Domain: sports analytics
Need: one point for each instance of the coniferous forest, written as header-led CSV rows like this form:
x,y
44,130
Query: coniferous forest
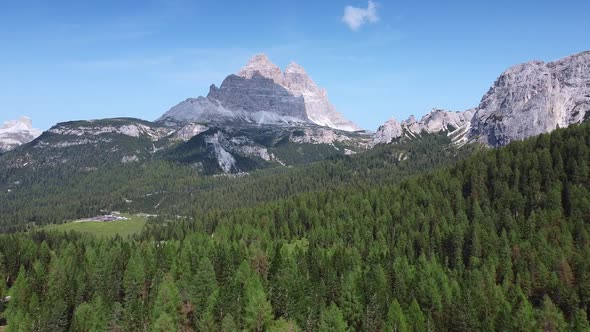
x,y
498,241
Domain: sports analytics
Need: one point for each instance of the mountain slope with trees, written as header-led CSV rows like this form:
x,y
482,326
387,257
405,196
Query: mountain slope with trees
x,y
172,187
500,241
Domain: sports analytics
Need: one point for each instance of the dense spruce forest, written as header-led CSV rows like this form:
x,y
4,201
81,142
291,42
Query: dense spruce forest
x,y
500,241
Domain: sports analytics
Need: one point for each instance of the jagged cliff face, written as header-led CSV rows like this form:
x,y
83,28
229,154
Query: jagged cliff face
x,y
258,94
387,132
455,124
261,93
17,132
534,98
295,79
249,100
526,100
319,109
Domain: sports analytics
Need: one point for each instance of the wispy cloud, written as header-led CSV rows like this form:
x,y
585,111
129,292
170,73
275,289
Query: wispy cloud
x,y
354,17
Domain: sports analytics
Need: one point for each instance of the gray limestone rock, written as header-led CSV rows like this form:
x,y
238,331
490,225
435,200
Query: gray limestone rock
x,y
526,100
261,93
387,132
455,124
534,98
258,94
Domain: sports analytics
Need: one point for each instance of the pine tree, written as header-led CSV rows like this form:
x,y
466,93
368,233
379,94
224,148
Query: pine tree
x,y
207,322
20,293
21,322
283,325
89,317
56,310
135,294
351,302
549,318
258,311
205,285
579,322
228,324
523,313
396,320
167,307
332,320
376,297
164,323
415,317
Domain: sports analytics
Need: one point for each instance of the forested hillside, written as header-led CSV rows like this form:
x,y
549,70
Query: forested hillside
x,y
500,241
171,188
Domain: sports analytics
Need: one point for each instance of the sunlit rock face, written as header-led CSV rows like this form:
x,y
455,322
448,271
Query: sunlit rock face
x,y
526,100
261,93
534,98
387,132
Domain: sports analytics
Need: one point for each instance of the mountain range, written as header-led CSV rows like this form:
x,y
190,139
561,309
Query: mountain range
x,y
263,117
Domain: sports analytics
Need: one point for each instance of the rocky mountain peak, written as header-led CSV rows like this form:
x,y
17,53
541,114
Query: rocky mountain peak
x,y
295,79
260,58
388,132
294,68
261,65
17,132
262,93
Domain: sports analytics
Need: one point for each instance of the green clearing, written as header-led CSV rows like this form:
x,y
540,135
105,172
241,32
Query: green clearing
x,y
124,228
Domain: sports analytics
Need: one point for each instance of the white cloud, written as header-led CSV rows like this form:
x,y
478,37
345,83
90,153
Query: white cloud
x,y
354,17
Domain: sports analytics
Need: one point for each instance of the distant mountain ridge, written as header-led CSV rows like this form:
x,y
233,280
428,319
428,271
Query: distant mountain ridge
x,y
262,94
456,124
17,132
526,100
208,148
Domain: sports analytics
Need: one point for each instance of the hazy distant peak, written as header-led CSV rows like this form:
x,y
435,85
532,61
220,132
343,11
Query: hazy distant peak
x,y
23,122
16,132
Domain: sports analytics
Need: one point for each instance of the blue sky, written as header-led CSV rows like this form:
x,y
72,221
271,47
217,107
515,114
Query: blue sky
x,y
65,60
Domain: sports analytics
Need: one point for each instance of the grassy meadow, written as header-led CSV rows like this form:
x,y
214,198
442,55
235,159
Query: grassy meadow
x,y
124,228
